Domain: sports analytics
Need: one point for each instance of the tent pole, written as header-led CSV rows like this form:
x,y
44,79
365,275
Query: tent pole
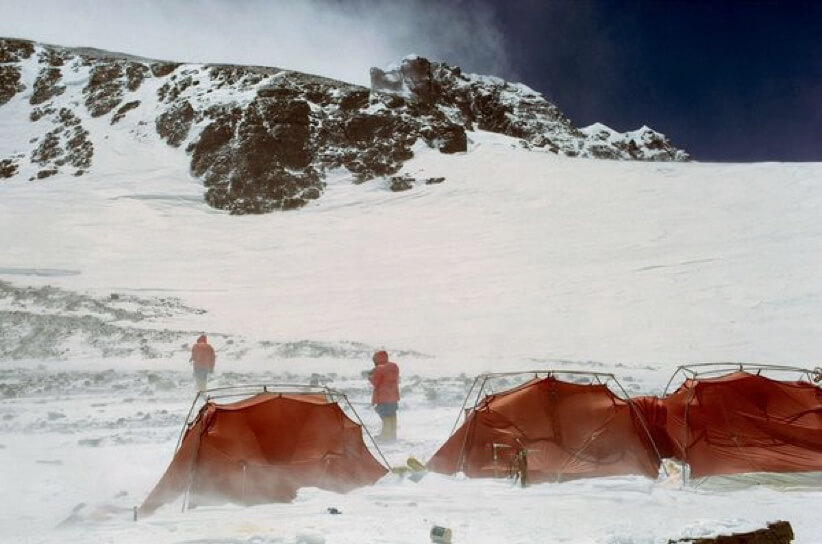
x,y
242,491
687,435
461,458
185,423
464,404
636,411
481,389
370,437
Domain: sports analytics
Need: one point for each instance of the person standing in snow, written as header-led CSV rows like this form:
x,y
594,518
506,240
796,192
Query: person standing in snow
x,y
385,379
202,360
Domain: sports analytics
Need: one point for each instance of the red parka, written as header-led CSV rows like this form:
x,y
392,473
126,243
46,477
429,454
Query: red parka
x,y
385,378
202,354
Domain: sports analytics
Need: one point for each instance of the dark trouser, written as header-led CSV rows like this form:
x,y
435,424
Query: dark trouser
x,y
201,378
388,413
386,409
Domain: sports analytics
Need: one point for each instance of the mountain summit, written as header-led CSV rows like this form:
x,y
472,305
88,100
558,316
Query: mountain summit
x,y
263,138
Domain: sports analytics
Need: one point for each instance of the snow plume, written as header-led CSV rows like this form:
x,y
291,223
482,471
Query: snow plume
x,y
336,38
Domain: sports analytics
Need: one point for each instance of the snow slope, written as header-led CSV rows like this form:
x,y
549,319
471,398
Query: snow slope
x,y
517,256
518,259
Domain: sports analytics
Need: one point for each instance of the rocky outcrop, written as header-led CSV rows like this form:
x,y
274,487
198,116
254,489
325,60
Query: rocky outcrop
x,y
8,168
12,52
262,139
65,145
46,86
9,82
173,124
257,159
641,144
779,532
123,110
492,104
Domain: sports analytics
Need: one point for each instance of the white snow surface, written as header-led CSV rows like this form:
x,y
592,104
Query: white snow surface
x,y
518,260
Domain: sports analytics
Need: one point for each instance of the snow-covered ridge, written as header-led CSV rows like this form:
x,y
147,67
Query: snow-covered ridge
x,y
514,109
262,138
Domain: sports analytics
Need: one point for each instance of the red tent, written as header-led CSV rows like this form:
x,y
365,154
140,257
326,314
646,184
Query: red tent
x,y
743,422
263,449
568,430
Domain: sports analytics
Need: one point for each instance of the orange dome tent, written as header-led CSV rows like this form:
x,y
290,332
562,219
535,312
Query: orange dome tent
x,y
565,430
722,421
266,447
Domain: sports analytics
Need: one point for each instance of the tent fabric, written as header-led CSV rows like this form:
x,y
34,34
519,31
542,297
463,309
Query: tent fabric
x,y
265,448
569,431
745,423
655,415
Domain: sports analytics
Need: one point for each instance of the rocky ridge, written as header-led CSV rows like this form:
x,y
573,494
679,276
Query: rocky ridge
x,y
264,139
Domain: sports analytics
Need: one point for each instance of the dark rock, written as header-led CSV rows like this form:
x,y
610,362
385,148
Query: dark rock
x,y
401,183
54,57
173,124
242,77
48,150
366,127
43,174
280,93
453,139
317,94
779,532
67,144
80,149
603,151
67,118
413,77
110,78
162,69
311,193
269,148
123,110
257,160
104,91
427,89
12,50
135,74
434,181
40,112
176,85
416,74
8,168
10,83
207,150
393,101
355,100
46,86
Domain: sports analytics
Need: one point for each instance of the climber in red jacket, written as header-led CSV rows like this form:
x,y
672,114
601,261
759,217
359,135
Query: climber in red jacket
x,y
385,378
202,359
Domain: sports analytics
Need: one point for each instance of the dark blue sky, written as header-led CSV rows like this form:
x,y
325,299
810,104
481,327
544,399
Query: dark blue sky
x,y
727,80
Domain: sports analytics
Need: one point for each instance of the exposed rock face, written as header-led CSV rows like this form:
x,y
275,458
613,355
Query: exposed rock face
x,y
8,168
263,139
46,86
65,145
779,532
257,160
495,105
12,52
123,110
173,124
9,82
